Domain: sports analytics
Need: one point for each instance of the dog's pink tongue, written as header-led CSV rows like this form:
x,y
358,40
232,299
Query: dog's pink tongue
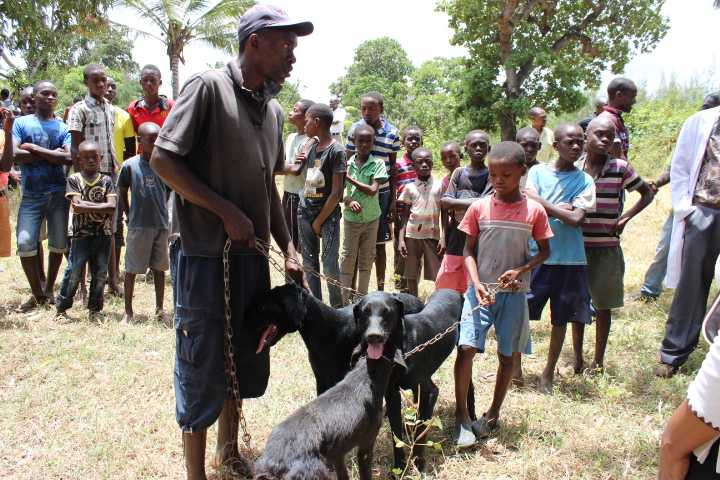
x,y
375,350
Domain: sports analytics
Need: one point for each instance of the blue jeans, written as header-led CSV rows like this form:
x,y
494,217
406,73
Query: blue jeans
x,y
96,251
330,251
34,207
652,286
175,251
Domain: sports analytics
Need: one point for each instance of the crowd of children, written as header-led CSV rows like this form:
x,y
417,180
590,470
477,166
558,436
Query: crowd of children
x,y
75,185
508,230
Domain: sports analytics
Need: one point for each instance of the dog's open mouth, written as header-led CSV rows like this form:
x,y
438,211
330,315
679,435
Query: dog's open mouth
x,y
375,350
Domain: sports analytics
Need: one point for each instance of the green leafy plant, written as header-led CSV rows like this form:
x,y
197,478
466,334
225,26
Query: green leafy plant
x,y
416,432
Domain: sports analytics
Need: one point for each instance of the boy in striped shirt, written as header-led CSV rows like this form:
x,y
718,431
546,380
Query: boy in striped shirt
x,y
603,226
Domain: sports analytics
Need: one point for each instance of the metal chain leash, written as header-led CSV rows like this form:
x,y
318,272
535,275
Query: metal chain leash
x,y
265,248
492,289
230,370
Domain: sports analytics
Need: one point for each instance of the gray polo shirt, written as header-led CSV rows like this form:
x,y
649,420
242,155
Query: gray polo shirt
x,y
232,140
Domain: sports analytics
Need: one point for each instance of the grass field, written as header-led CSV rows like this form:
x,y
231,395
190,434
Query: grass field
x,y
82,399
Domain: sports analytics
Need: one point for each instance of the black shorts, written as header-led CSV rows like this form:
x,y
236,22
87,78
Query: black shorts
x,y
566,286
200,380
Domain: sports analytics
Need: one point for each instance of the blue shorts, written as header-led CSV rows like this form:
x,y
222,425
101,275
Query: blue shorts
x,y
509,316
34,207
566,286
200,381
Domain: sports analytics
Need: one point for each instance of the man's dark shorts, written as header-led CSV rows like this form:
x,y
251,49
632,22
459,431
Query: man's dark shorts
x,y
566,286
200,382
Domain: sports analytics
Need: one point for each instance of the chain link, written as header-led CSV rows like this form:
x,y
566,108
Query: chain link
x,y
265,248
230,370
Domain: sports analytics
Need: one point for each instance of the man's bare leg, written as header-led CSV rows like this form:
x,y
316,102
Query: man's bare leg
x,y
30,267
227,453
578,336
159,281
194,450
54,261
380,264
557,338
602,332
129,291
40,258
517,377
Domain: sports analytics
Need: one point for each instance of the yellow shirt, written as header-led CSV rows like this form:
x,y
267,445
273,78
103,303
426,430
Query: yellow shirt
x,y
123,129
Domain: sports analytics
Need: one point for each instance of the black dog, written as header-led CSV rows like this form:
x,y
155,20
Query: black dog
x,y
443,308
349,415
330,334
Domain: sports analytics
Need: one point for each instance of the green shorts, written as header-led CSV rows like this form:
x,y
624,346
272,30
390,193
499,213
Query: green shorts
x,y
606,269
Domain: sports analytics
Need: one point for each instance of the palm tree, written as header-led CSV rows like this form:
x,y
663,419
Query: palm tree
x,y
183,21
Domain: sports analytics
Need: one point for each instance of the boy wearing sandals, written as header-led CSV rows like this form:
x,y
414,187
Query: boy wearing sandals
x,y
498,260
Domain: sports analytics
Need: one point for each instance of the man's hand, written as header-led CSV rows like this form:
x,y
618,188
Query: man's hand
x,y
619,226
483,296
441,247
238,226
354,206
653,186
293,269
7,119
402,247
317,228
509,280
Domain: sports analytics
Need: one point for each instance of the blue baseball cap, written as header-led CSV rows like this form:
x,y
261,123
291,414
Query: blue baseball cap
x,y
261,16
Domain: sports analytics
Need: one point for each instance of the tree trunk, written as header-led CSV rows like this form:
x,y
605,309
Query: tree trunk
x,y
175,69
508,128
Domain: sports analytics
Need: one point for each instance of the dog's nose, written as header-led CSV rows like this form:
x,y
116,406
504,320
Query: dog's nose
x,y
374,338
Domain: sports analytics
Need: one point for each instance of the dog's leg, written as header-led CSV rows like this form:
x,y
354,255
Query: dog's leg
x,y
365,456
394,414
428,397
341,471
471,401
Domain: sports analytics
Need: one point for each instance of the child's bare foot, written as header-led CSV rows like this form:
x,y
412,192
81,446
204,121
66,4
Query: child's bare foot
x,y
546,385
127,319
163,317
31,304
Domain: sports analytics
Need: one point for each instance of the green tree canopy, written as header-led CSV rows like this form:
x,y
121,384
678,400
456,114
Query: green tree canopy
x,y
378,65
547,53
45,32
181,22
434,101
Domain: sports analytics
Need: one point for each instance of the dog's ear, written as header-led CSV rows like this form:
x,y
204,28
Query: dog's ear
x,y
397,334
399,359
357,311
356,354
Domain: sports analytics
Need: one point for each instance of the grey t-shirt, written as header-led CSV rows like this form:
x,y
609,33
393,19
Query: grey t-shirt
x,y
232,140
148,194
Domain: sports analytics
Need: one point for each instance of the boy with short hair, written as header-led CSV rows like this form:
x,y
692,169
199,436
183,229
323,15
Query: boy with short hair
x,y
420,241
319,211
147,237
93,199
93,119
151,107
567,194
466,185
385,146
498,228
294,170
402,175
602,229
529,139
365,174
450,155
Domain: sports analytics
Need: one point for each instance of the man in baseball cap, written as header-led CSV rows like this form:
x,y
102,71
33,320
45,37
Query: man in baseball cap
x,y
218,150
260,17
